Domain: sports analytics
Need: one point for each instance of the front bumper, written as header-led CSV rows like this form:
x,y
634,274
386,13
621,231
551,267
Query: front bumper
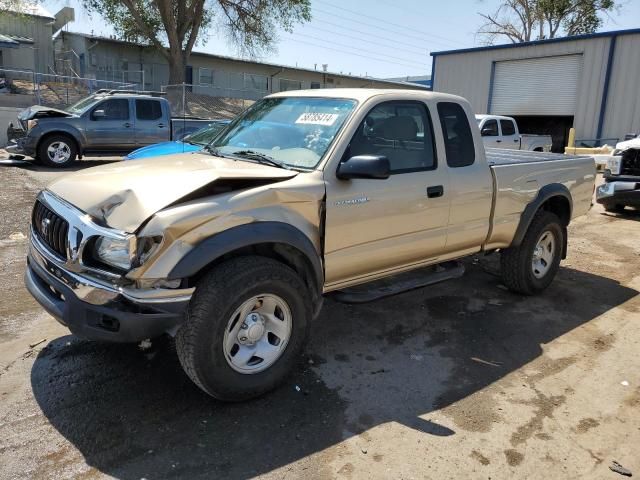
x,y
619,193
22,146
98,311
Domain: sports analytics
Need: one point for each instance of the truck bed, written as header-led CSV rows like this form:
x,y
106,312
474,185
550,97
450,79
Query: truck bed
x,y
518,177
499,156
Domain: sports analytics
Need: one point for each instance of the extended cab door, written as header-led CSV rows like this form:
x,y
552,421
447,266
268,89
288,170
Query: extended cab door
x,y
490,132
375,226
471,181
510,136
152,124
109,126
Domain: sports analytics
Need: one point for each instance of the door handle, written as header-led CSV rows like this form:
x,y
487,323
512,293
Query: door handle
x,y
516,140
498,141
161,125
127,125
435,191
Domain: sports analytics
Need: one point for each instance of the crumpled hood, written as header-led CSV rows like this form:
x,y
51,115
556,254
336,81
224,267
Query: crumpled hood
x,y
125,194
41,111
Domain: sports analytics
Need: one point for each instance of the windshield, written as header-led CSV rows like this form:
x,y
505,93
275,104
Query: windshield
x,y
82,105
294,131
205,135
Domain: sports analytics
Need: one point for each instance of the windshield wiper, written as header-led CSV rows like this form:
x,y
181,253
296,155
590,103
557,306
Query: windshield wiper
x,y
213,151
261,157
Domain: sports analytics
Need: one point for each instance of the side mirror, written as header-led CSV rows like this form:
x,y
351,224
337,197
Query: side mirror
x,y
486,132
364,166
98,114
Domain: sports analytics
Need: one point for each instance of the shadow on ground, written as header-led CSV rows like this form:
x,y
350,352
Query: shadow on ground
x,y
133,415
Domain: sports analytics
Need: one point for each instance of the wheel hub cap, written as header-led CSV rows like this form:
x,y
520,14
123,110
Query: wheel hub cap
x,y
251,330
257,333
543,254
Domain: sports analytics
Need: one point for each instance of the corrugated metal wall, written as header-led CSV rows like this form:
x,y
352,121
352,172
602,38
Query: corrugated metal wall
x,y
623,103
468,74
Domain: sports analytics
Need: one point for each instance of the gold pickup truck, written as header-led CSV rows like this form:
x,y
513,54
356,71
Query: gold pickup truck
x,y
353,193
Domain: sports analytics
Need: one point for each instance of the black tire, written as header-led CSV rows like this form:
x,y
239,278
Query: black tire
x,y
516,262
60,139
614,208
218,294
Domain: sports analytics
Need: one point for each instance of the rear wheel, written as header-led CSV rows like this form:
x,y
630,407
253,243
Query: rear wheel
x,y
246,325
532,266
57,151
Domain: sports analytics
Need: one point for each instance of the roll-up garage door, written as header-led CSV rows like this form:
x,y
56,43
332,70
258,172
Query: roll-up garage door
x,y
536,86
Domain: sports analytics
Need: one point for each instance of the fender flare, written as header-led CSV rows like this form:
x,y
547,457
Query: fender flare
x,y
247,235
547,192
70,132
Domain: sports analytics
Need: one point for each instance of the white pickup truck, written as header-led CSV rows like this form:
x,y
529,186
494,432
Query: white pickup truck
x,y
502,132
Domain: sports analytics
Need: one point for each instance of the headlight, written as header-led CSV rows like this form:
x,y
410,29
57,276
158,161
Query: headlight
x,y
613,165
31,124
116,252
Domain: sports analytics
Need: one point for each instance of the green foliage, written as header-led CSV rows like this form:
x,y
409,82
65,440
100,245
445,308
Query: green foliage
x,y
174,26
526,20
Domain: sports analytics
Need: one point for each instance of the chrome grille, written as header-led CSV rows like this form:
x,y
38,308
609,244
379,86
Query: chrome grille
x,y
51,228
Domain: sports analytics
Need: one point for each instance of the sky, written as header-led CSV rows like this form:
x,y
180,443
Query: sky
x,y
378,38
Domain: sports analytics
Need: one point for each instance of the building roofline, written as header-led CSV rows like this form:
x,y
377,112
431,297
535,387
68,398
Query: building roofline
x,y
254,62
586,36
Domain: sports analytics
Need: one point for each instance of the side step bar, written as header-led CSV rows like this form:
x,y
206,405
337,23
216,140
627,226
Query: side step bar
x,y
403,282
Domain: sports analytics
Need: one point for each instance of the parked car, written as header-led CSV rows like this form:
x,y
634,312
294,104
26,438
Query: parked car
x,y
502,132
191,143
106,123
306,194
622,178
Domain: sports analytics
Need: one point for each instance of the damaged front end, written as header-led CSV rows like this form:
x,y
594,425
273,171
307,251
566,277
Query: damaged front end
x,y
104,240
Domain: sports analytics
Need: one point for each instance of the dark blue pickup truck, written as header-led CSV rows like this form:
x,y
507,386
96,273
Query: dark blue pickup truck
x,y
109,122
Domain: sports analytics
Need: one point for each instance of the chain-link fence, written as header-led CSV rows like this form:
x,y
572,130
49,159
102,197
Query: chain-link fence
x,y
23,88
198,101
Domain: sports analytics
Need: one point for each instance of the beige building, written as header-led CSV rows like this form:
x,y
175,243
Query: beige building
x,y
26,37
589,82
115,60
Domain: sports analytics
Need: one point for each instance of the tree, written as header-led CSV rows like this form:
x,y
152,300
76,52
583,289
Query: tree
x,y
526,20
174,26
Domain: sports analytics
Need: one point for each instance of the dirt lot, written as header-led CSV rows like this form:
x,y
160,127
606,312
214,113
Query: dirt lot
x,y
459,380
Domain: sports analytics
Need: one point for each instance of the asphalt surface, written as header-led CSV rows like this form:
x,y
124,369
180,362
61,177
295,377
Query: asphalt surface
x,y
458,380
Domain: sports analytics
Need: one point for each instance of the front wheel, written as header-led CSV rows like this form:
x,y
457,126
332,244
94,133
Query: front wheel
x,y
57,151
531,267
246,326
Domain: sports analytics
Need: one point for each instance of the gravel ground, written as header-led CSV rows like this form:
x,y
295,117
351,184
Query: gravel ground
x,y
458,380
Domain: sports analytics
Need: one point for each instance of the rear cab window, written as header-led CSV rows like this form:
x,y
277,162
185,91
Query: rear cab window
x,y
508,128
458,139
148,109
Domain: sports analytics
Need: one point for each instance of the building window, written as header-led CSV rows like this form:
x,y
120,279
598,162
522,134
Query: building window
x,y
315,84
205,76
256,82
286,85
